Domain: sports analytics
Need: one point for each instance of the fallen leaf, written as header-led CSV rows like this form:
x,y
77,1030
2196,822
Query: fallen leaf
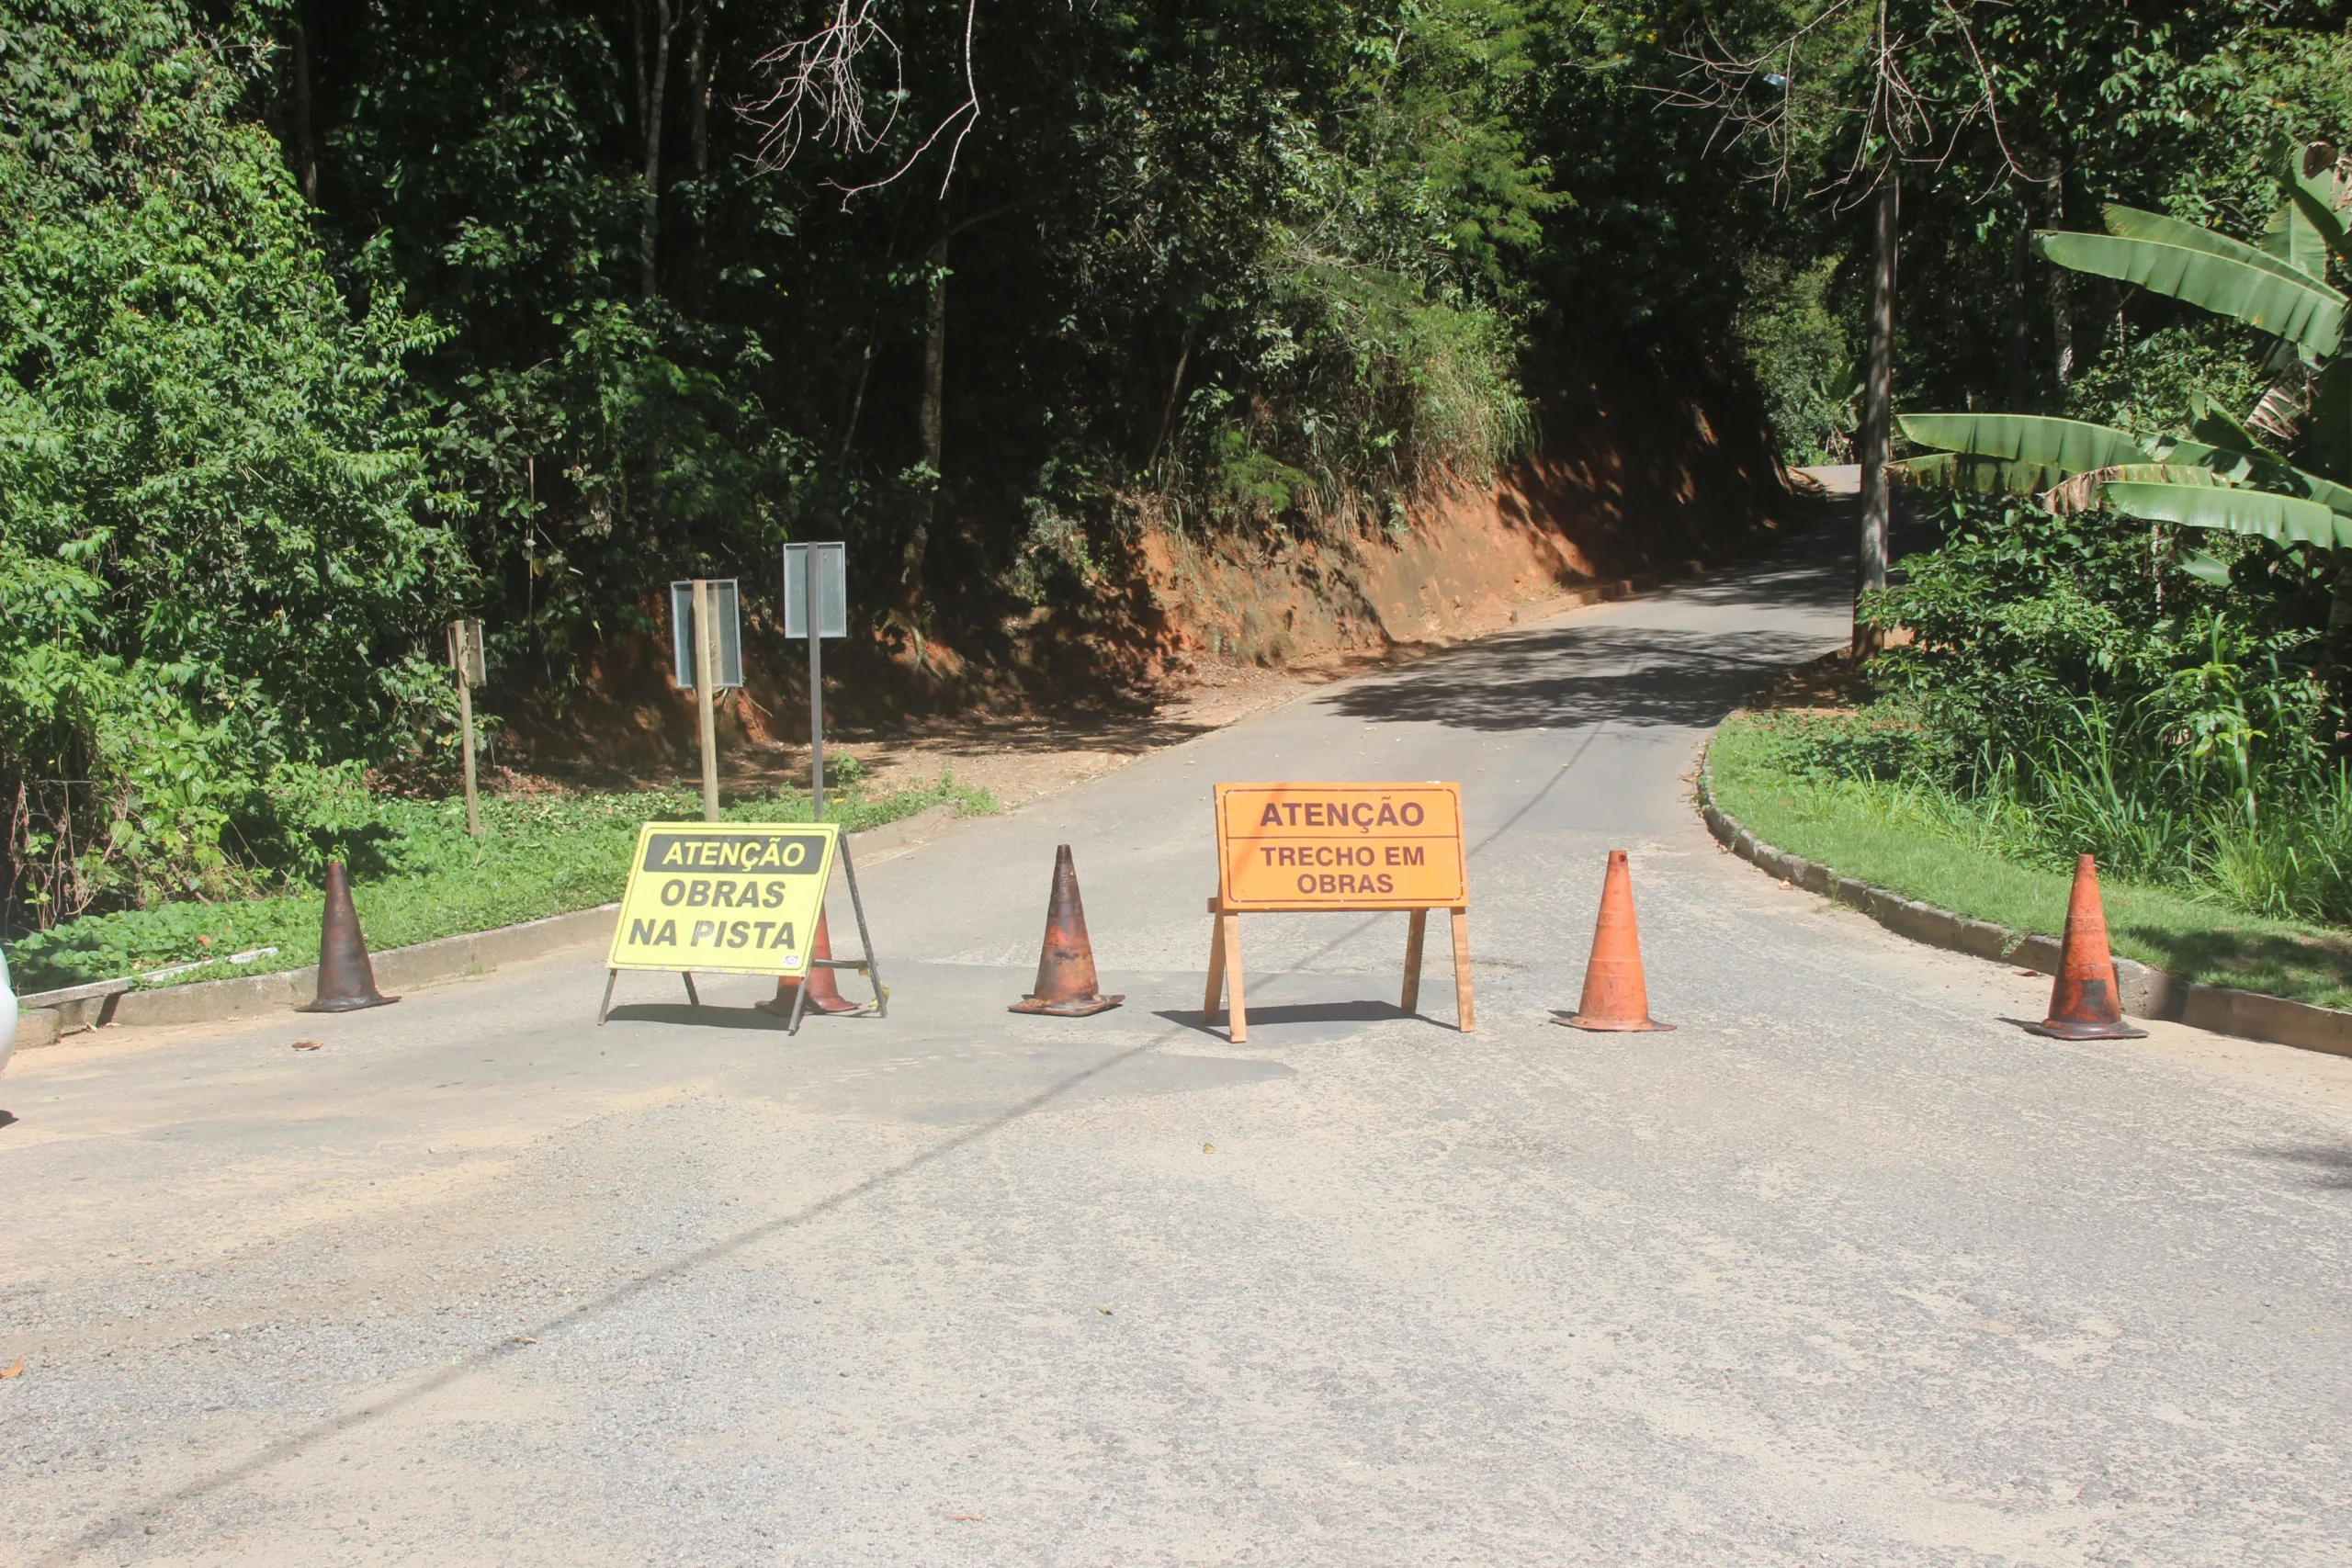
x,y
15,1369
520,1339
2029,974
306,1044
1209,1148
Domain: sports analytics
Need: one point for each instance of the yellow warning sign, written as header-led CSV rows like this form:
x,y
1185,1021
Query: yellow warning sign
x,y
725,897
1339,846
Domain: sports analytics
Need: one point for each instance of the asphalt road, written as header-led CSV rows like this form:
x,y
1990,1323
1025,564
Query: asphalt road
x,y
1845,1270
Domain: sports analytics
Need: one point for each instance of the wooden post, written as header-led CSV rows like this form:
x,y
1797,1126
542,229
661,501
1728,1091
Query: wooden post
x,y
706,674
1417,927
1217,968
1461,970
1238,1016
466,723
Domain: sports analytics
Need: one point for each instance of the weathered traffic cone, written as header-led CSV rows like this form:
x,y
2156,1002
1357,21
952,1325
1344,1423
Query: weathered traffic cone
x,y
1066,979
2085,1003
1616,997
346,980
823,995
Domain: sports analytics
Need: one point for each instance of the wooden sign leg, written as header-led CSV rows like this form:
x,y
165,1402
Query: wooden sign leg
x,y
1217,971
1239,1014
1417,927
1462,970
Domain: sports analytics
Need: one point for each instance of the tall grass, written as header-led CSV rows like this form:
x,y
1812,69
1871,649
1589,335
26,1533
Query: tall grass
x,y
2273,840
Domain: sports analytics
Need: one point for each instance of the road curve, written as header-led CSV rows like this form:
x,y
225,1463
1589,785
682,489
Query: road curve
x,y
1844,1270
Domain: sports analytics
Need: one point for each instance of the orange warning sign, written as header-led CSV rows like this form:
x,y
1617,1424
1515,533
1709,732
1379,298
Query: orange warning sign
x,y
1339,846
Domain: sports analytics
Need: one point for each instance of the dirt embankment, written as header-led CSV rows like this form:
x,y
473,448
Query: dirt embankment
x,y
1632,479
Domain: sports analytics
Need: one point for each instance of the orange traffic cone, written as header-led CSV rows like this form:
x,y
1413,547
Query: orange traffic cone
x,y
2085,1003
823,995
1066,978
1615,994
346,979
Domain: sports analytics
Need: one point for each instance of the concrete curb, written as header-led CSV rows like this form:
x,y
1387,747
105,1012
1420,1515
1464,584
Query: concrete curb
x,y
2146,992
397,968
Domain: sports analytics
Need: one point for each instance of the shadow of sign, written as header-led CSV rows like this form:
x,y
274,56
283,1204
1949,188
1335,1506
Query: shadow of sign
x,y
704,1017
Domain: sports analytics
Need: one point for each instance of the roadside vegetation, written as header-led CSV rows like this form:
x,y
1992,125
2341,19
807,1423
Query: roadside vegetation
x,y
1845,790
418,876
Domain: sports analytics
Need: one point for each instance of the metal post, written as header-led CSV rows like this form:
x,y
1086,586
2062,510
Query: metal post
x,y
706,674
816,694
864,940
466,724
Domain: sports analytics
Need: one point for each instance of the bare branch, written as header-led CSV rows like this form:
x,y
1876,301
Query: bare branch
x,y
819,94
819,91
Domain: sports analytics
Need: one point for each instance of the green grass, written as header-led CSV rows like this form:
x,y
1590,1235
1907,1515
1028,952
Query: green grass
x,y
422,877
1923,843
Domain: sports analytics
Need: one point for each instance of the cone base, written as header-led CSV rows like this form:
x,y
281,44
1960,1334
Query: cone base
x,y
1085,1007
2057,1028
346,1004
782,1006
1613,1025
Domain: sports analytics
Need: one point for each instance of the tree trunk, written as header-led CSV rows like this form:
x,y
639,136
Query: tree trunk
x,y
2021,328
935,361
2062,303
930,416
306,145
1878,404
698,74
648,231
1175,389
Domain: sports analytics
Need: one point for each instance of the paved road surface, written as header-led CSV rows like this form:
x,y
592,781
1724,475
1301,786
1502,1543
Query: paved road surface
x,y
1846,1271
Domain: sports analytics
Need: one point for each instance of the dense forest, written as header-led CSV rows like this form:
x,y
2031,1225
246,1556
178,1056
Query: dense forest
x,y
320,324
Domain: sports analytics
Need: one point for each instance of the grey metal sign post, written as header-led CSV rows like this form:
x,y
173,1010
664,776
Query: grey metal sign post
x,y
707,651
466,659
816,605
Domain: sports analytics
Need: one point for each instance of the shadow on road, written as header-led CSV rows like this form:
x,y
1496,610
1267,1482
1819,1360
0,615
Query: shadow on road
x,y
1641,676
704,1017
1291,1013
2331,1164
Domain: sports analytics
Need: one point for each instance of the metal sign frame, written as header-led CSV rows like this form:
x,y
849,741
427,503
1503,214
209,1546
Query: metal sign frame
x,y
750,866
726,620
832,588
466,656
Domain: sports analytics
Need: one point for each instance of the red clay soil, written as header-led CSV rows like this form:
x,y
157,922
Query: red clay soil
x,y
1631,479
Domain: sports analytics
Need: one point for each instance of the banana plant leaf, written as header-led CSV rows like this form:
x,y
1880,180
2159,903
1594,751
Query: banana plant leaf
x,y
2085,490
2232,463
2299,309
2219,427
2132,223
1985,476
2315,196
2241,467
2068,445
2205,569
2327,433
2283,518
2294,239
